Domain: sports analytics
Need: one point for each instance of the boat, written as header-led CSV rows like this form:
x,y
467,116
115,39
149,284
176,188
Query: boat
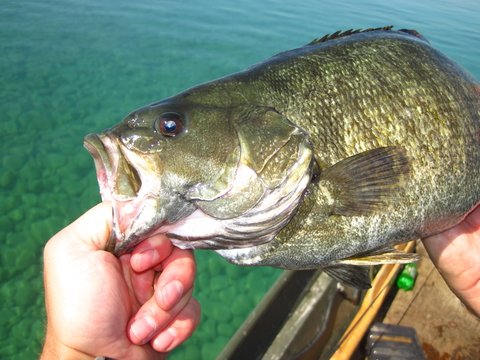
x,y
309,315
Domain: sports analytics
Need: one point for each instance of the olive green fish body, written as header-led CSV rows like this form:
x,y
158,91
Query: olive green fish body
x,y
322,156
366,92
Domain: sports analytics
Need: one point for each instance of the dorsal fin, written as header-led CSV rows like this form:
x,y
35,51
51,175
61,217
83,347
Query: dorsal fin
x,y
339,34
414,33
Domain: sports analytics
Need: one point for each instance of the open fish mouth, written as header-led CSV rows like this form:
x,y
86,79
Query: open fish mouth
x,y
117,177
119,180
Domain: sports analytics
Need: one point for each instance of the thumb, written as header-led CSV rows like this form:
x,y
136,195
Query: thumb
x,y
94,227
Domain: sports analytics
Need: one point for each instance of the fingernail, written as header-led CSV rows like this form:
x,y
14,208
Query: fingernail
x,y
143,329
170,294
164,340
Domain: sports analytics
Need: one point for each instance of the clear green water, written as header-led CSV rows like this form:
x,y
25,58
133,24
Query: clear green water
x,y
71,67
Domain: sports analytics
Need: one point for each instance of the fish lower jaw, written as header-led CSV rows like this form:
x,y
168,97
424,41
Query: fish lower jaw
x,y
133,220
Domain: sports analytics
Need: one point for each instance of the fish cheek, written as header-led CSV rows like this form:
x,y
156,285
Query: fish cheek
x,y
205,150
274,154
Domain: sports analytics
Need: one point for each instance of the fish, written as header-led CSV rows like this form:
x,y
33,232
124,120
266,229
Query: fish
x,y
324,156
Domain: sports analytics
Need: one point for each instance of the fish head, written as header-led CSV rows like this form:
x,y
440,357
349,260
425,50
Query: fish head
x,y
169,165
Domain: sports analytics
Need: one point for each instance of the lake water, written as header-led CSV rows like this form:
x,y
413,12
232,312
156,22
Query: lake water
x,y
69,67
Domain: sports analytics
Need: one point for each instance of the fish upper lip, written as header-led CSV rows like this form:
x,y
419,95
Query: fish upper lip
x,y
111,164
96,148
103,165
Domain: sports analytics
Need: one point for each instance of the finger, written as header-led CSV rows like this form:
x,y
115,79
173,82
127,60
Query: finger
x,y
128,276
89,232
180,329
93,227
443,247
176,278
436,245
473,220
143,285
150,320
151,252
460,268
140,285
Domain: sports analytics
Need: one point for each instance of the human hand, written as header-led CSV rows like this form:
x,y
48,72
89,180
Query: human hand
x,y
138,306
456,254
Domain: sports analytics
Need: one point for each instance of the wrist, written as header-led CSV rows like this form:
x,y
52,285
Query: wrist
x,y
54,349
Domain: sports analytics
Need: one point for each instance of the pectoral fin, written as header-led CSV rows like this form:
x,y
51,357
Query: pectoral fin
x,y
365,182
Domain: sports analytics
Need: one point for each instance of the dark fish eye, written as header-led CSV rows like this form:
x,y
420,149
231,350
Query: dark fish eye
x,y
169,124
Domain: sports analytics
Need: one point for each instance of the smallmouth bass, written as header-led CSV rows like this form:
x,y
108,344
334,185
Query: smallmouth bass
x,y
324,156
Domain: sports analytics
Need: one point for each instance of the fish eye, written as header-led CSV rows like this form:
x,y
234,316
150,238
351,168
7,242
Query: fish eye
x,y
169,124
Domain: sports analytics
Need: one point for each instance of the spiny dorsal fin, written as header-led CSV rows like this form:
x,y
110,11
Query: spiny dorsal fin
x,y
339,34
414,33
